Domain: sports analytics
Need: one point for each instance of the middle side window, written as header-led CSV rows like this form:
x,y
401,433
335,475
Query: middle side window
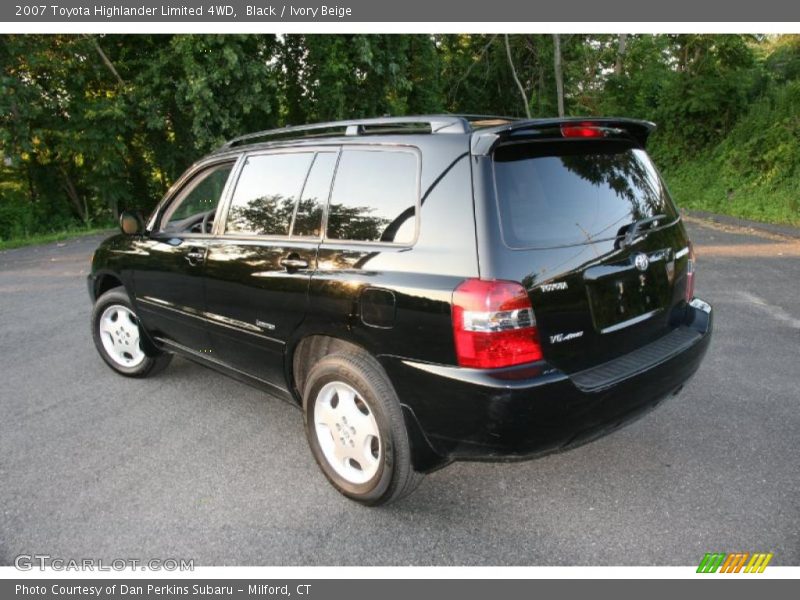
x,y
265,196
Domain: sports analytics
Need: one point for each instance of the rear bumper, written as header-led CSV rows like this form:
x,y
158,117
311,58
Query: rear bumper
x,y
523,412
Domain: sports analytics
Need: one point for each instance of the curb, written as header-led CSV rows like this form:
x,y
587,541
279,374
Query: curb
x,y
785,230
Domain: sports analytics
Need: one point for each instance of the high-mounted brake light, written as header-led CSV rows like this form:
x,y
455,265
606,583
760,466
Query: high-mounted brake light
x,y
582,130
689,294
494,325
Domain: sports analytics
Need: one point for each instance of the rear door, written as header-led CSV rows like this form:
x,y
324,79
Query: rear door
x,y
258,269
589,228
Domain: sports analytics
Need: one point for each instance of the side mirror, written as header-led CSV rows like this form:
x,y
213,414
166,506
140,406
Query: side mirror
x,y
131,223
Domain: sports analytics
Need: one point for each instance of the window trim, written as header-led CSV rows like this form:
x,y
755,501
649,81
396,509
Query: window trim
x,y
394,148
324,219
236,174
239,159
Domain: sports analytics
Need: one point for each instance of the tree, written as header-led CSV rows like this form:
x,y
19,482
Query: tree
x,y
620,54
90,124
516,79
559,75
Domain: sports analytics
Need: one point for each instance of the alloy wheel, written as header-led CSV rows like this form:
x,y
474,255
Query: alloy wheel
x,y
347,432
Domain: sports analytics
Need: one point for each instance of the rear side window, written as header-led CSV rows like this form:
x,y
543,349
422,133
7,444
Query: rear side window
x,y
374,197
265,196
574,192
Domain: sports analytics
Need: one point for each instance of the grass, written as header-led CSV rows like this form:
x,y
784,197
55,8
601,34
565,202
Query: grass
x,y
703,186
44,238
754,171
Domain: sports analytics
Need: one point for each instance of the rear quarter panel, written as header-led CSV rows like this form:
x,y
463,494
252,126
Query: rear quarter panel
x,y
421,276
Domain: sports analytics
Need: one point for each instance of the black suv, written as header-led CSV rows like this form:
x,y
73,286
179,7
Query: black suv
x,y
427,289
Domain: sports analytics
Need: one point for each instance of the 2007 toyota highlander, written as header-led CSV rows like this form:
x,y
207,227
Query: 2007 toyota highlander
x,y
427,289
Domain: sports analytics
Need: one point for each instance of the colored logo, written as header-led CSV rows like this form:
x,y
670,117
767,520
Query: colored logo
x,y
734,563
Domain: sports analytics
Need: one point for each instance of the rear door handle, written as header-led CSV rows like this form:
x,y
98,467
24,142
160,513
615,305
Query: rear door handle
x,y
293,262
195,256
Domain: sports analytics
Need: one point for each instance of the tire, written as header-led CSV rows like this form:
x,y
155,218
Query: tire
x,y
352,415
116,333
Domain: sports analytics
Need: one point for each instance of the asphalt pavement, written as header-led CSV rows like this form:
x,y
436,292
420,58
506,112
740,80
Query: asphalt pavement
x,y
193,465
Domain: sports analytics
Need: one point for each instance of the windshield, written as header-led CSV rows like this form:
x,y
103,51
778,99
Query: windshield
x,y
571,193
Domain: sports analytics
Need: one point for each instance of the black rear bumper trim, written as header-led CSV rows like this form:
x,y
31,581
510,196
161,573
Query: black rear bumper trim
x,y
612,372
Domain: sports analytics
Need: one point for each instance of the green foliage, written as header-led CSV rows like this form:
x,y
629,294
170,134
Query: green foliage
x,y
90,125
783,57
755,171
329,77
94,125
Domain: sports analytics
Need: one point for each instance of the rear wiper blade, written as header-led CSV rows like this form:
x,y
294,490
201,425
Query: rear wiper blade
x,y
638,227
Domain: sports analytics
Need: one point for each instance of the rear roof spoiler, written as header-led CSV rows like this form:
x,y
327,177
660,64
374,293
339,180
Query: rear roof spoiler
x,y
484,141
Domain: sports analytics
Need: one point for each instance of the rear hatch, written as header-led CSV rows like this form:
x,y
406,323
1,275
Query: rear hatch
x,y
588,227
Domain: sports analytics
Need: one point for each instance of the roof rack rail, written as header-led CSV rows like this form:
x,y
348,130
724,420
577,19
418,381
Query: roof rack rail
x,y
437,124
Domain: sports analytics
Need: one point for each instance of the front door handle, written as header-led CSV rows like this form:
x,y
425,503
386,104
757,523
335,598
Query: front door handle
x,y
195,256
293,262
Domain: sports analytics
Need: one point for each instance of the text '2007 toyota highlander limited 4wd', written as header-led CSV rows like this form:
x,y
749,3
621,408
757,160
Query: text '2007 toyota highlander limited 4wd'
x,y
428,289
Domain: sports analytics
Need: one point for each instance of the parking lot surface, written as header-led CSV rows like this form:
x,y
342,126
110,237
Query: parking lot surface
x,y
193,465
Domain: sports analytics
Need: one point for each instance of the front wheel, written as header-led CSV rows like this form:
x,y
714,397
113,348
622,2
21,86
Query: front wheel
x,y
117,337
355,428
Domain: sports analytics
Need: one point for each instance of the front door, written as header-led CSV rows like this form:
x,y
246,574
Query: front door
x,y
169,279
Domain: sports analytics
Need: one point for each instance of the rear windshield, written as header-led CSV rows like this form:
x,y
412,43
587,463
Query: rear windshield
x,y
575,193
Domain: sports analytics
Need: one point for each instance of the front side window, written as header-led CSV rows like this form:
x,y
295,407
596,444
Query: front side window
x,y
374,197
265,196
196,205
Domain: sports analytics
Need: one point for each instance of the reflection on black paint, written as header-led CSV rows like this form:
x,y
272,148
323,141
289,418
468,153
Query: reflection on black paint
x,y
580,193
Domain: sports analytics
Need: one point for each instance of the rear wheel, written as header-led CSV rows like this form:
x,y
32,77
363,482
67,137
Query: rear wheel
x,y
117,337
356,431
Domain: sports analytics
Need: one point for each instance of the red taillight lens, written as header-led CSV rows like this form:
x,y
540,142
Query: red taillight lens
x,y
690,275
582,130
493,325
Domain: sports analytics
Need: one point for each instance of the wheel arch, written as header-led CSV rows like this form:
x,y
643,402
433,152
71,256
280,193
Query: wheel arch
x,y
108,280
305,350
104,281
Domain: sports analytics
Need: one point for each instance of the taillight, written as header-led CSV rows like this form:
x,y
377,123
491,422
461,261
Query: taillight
x,y
582,130
690,275
494,325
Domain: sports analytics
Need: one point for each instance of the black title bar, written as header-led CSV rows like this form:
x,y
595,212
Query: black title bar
x,y
441,11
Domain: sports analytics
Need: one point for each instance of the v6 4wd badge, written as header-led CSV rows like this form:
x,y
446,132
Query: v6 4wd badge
x,y
565,337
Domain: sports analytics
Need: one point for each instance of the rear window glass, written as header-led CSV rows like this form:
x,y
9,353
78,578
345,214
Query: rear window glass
x,y
374,197
575,192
